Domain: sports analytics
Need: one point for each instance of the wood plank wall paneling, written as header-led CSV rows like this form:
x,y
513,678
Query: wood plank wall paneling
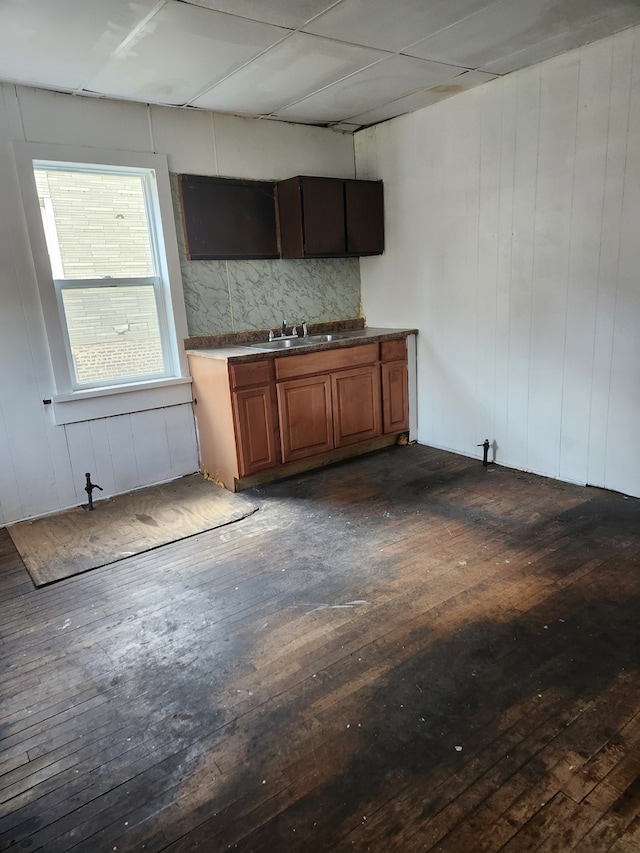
x,y
122,452
609,245
625,356
552,222
585,241
504,251
522,272
29,482
527,121
129,451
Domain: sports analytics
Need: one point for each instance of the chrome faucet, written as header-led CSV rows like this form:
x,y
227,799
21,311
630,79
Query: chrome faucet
x,y
283,333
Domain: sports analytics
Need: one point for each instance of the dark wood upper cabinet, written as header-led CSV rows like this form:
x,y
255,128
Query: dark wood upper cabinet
x,y
230,218
330,217
226,218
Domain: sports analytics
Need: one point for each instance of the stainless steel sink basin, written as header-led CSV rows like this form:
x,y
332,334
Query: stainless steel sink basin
x,y
334,336
308,341
290,343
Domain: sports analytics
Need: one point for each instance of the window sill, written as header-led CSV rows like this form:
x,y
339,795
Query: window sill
x,y
95,403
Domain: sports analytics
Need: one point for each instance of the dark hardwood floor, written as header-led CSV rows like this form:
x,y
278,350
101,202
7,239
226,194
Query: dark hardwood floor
x,y
405,652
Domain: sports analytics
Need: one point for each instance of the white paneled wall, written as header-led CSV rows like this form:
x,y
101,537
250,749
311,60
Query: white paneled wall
x,y
43,465
512,218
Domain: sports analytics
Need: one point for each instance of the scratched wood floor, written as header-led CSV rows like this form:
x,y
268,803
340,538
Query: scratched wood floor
x,y
406,652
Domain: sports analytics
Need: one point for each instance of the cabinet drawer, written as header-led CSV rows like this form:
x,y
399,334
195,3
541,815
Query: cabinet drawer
x,y
326,361
251,373
393,350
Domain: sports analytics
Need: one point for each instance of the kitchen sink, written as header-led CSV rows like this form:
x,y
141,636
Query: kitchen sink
x,y
287,343
334,336
308,341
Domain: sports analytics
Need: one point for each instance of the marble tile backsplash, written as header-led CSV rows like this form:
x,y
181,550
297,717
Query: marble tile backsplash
x,y
233,296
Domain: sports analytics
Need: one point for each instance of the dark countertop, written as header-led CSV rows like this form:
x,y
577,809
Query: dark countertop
x,y
240,353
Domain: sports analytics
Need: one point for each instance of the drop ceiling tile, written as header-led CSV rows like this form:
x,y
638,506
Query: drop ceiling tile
x,y
391,24
512,28
60,45
283,13
423,98
487,35
286,73
536,52
591,29
181,51
369,89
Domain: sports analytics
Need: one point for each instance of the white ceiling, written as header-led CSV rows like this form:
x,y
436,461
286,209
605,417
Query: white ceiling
x,y
344,63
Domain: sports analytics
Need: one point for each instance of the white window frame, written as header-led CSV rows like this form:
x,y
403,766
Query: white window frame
x,y
69,402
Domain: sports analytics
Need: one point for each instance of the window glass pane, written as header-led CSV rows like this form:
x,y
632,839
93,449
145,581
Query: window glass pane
x,y
113,332
95,224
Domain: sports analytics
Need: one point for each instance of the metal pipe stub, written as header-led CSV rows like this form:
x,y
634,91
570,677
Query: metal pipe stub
x,y
89,487
485,446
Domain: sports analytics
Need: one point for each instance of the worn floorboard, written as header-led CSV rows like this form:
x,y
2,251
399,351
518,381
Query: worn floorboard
x,y
404,652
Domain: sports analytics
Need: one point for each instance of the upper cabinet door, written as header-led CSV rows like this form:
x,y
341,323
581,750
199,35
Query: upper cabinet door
x,y
228,218
364,205
323,216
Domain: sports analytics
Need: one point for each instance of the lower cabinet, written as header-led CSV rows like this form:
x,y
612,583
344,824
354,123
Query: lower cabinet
x,y
236,417
254,417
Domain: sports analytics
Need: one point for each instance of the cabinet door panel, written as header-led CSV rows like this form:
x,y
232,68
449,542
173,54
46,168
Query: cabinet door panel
x,y
365,217
305,412
395,396
255,429
228,217
323,211
290,225
356,405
